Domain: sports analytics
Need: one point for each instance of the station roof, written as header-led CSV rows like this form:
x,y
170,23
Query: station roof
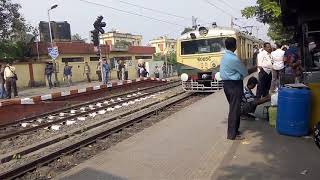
x,y
295,10
85,48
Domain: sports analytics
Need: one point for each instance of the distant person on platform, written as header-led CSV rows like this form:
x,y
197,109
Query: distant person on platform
x,y
98,71
11,80
265,65
255,54
67,73
277,67
87,71
156,72
232,72
48,72
3,93
105,71
249,100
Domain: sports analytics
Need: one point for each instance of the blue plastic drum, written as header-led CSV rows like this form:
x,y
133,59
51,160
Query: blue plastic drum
x,y
294,108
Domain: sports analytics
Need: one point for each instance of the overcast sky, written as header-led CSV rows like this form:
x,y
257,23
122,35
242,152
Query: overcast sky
x,y
81,15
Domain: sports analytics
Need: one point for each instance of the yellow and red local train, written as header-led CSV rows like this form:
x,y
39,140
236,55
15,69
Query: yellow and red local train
x,y
199,53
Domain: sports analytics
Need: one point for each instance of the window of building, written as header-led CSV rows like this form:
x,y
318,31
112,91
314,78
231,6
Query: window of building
x,y
94,58
73,59
143,57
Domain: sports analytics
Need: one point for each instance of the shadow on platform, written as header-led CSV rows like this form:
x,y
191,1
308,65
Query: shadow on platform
x,y
92,174
265,154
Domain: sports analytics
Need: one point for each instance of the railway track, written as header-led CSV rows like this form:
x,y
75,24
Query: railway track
x,y
85,111
92,132
64,116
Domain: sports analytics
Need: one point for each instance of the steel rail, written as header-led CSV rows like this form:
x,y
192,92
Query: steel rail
x,y
79,105
133,117
16,133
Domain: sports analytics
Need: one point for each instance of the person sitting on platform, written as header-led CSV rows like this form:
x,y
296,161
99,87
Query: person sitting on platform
x,y
249,100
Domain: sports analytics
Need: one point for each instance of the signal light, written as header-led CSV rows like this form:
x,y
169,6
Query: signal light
x,y
95,37
99,25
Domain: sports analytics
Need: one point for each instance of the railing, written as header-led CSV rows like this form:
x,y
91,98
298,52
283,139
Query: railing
x,y
192,86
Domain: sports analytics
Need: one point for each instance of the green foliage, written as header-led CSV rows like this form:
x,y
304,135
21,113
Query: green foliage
x,y
15,34
278,33
172,57
266,11
269,11
77,37
187,29
158,57
122,43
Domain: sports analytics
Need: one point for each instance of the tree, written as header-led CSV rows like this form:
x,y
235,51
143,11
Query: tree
x,y
186,30
172,57
15,33
123,43
77,37
269,11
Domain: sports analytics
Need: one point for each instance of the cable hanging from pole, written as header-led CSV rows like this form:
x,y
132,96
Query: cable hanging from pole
x,y
154,10
132,13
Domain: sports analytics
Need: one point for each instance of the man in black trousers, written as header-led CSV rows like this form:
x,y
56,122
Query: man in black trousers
x,y
232,72
265,60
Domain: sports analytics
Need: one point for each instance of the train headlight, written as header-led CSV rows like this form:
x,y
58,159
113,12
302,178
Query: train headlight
x,y
217,76
204,76
184,77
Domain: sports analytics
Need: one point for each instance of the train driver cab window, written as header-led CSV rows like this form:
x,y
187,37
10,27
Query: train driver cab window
x,y
202,46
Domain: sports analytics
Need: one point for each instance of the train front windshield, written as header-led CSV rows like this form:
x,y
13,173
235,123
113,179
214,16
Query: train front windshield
x,y
202,46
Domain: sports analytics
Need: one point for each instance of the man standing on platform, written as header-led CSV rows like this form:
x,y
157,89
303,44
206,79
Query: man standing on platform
x,y
278,66
232,72
67,73
10,78
265,68
87,71
3,93
105,71
48,72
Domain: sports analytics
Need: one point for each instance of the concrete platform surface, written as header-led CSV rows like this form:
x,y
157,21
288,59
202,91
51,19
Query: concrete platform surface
x,y
184,146
192,144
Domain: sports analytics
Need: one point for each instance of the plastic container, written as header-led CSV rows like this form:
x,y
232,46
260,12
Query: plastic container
x,y
315,104
272,110
294,108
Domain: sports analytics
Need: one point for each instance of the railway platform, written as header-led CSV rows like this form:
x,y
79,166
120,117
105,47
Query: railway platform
x,y
192,144
38,91
36,101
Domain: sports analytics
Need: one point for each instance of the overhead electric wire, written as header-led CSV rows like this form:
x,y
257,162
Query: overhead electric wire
x,y
227,4
132,13
212,4
155,10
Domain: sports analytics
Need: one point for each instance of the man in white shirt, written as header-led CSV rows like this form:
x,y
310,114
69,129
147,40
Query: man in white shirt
x,y
278,66
265,61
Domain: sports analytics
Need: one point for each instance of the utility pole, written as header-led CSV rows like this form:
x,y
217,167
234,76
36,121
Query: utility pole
x,y
194,23
98,28
231,22
56,83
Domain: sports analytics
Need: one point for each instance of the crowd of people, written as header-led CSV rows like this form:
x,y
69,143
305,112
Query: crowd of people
x,y
8,77
275,66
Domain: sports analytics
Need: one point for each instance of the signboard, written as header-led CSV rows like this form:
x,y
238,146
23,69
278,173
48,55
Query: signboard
x,y
53,53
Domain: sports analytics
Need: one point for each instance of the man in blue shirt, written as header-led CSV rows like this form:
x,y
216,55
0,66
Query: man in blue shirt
x,y
232,72
105,71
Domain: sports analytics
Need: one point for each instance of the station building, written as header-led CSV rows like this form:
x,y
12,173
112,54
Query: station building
x,y
164,45
76,54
